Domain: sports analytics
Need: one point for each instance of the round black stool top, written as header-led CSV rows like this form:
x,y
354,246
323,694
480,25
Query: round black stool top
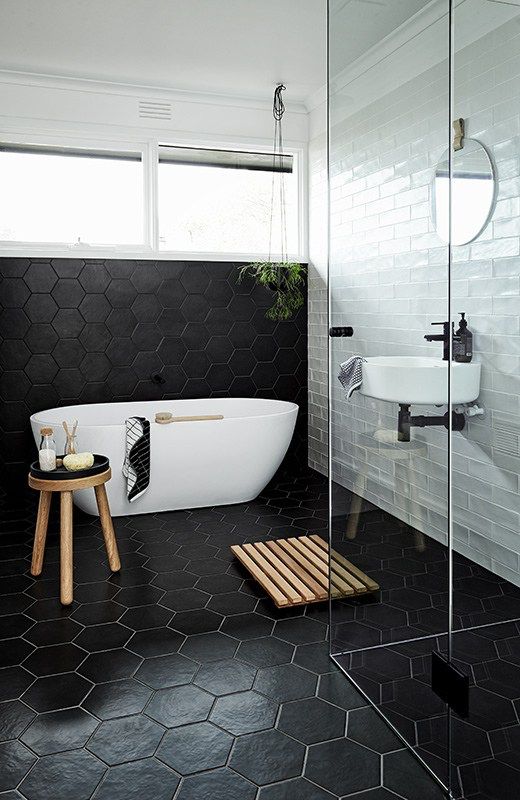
x,y
101,464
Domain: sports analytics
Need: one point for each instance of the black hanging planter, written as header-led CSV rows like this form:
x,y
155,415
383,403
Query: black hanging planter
x,y
284,278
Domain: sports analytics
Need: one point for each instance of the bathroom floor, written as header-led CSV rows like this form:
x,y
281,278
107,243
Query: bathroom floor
x,y
486,744
413,605
412,572
177,678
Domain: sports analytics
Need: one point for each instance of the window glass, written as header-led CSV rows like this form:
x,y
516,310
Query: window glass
x,y
223,204
69,196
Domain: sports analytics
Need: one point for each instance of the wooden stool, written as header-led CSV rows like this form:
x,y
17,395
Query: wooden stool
x,y
66,486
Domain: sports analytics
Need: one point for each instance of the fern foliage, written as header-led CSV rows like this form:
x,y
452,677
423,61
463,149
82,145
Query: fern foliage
x,y
285,279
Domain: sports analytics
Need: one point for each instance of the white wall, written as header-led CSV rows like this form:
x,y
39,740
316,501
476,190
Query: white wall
x,y
389,278
54,104
38,109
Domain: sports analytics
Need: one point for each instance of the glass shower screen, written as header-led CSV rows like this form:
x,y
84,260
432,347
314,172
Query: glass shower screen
x,y
388,280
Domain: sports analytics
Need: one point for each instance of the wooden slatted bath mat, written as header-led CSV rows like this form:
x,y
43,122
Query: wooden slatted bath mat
x,y
295,571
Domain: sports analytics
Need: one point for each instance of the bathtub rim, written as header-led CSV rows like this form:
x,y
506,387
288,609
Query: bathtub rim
x,y
291,407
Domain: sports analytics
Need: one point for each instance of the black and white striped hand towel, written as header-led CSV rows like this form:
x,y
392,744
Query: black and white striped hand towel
x,y
351,374
136,467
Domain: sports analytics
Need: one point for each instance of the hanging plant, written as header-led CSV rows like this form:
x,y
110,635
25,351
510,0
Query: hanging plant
x,y
284,278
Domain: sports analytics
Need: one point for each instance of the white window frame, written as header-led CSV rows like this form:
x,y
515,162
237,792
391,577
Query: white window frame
x,y
84,250
148,147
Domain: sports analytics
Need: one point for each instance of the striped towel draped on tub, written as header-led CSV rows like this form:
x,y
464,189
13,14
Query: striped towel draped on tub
x,y
136,466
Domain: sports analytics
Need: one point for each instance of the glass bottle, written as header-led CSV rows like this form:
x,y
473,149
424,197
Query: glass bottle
x,y
71,444
47,450
71,447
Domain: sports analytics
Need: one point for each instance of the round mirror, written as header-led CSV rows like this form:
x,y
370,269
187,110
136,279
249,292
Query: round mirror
x,y
473,193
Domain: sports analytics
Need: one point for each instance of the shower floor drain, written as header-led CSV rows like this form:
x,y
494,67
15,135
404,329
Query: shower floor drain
x,y
295,571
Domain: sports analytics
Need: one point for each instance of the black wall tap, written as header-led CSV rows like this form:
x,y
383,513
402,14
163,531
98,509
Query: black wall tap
x,y
443,337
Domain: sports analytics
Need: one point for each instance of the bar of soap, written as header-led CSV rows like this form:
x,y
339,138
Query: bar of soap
x,y
78,461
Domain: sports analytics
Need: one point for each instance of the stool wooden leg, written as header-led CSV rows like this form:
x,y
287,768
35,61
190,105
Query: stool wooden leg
x,y
40,534
66,548
107,527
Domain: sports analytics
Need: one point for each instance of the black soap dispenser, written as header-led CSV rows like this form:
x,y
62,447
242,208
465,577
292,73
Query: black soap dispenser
x,y
463,341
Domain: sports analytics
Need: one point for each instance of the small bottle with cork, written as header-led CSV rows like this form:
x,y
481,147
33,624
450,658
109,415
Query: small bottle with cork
x,y
47,450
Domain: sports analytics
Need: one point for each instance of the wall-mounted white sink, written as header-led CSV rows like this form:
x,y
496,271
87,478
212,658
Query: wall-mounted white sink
x,y
416,380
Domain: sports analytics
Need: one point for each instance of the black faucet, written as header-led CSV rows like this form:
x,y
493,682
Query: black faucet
x,y
444,338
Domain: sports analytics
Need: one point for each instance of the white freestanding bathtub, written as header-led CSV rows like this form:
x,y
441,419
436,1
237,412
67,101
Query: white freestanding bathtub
x,y
193,464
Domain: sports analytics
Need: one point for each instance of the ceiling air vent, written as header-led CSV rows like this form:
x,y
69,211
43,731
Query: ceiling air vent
x,y
155,109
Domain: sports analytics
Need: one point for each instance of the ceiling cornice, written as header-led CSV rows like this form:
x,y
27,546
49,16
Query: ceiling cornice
x,y
172,94
433,11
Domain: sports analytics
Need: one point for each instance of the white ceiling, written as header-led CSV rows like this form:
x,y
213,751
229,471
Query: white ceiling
x,y
232,47
357,25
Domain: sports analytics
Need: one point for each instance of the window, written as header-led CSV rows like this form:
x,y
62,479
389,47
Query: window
x,y
220,201
145,199
70,196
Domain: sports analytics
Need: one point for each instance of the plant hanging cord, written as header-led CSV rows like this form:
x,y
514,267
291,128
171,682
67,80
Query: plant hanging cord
x,y
278,112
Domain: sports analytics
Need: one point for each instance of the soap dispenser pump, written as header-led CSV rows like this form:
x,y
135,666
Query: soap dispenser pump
x,y
463,341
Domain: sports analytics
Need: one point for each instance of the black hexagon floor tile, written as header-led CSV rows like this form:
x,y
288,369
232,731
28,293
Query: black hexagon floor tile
x,y
312,720
219,784
300,631
13,682
162,672
247,626
56,631
197,621
98,613
54,659
137,780
400,775
109,636
118,741
117,698
15,761
176,579
299,788
380,793
244,712
267,757
335,689
109,665
145,617
134,596
314,657
57,731
185,599
195,748
343,767
155,642
266,652
188,681
225,677
366,727
56,692
232,603
15,716
16,651
62,776
206,647
285,682
180,705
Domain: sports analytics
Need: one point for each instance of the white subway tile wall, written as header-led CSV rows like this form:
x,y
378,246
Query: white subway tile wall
x,y
388,279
